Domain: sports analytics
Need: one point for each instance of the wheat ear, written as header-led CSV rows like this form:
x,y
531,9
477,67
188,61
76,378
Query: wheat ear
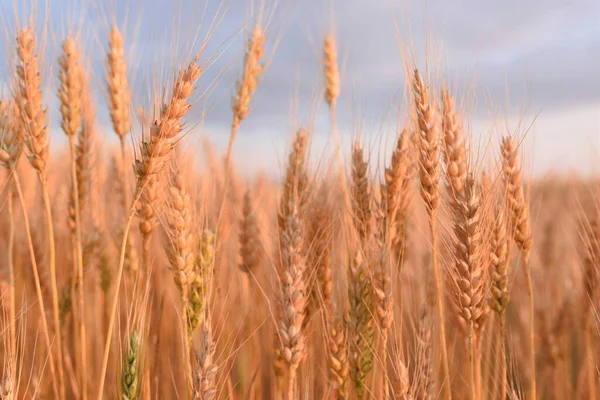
x,y
11,147
398,178
70,94
339,367
362,213
131,379
246,86
319,238
293,266
401,382
423,377
200,286
382,287
150,162
119,97
29,99
455,154
499,263
469,275
360,325
429,175
205,385
249,237
521,231
180,250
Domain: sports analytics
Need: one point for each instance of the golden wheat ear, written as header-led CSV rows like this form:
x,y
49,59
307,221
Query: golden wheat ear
x,y
119,97
330,71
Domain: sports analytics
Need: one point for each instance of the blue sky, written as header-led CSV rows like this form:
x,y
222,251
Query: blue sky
x,y
514,64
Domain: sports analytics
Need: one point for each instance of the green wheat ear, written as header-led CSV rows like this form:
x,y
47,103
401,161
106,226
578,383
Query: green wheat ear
x,y
130,383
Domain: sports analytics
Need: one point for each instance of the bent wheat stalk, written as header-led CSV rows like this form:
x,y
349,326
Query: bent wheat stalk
x,y
152,158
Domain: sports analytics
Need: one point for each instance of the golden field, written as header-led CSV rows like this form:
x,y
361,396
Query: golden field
x,y
135,266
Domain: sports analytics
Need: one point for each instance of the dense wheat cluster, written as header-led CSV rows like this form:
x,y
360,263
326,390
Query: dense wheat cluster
x,y
136,268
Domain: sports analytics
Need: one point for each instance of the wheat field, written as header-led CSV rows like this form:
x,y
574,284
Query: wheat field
x,y
136,266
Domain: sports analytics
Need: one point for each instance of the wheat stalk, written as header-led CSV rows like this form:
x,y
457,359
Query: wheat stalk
x,y
29,100
70,95
382,286
429,175
292,272
521,231
499,262
150,162
11,147
469,275
331,93
591,263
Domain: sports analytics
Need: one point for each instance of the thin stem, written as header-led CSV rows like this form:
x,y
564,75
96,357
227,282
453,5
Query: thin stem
x,y
440,304
53,282
385,390
11,271
232,137
292,383
339,155
532,359
472,361
186,338
478,342
503,377
125,199
146,241
115,302
589,361
38,287
79,272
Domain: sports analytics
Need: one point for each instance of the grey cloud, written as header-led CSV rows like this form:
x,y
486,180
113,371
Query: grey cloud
x,y
547,49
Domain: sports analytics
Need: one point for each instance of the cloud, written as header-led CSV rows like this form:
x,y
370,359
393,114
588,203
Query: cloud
x,y
543,54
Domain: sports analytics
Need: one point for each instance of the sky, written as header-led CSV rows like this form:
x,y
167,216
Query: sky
x,y
530,68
